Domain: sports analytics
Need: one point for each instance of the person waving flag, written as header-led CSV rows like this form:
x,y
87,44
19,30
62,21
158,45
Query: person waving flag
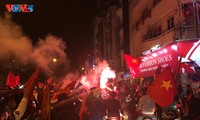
x,y
162,89
133,65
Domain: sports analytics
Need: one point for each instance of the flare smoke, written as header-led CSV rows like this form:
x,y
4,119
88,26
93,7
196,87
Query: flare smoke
x,y
13,41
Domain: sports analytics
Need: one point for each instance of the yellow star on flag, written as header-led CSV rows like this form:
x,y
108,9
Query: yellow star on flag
x,y
167,85
134,61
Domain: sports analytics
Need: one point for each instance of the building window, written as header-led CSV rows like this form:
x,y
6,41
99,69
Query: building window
x,y
155,2
148,35
145,13
188,13
157,31
152,33
170,23
144,38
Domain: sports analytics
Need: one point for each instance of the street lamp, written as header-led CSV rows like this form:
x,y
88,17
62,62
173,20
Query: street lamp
x,y
82,68
53,66
54,60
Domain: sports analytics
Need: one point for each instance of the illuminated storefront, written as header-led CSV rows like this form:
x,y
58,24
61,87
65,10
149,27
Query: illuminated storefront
x,y
169,55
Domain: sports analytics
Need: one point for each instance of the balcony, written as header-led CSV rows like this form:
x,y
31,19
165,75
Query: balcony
x,y
161,40
187,32
176,34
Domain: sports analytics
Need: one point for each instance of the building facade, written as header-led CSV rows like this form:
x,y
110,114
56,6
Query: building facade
x,y
150,25
109,33
156,23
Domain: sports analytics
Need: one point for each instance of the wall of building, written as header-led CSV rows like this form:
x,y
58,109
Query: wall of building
x,y
156,16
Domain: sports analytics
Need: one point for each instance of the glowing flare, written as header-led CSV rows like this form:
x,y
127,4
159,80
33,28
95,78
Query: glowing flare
x,y
85,82
105,75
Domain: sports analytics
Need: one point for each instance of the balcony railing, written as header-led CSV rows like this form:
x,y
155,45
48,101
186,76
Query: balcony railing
x,y
180,33
186,32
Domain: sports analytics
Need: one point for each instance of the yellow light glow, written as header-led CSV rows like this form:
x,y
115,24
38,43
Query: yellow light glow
x,y
54,60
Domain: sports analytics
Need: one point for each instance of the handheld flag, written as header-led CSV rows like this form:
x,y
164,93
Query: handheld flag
x,y
12,80
45,104
66,90
132,64
29,91
162,89
176,71
157,72
78,85
71,85
31,81
175,74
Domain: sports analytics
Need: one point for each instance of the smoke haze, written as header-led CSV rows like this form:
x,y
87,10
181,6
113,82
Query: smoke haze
x,y
14,42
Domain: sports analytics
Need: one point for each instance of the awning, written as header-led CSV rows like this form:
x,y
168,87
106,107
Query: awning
x,y
169,55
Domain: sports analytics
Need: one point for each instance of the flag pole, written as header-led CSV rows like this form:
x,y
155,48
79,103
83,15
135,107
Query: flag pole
x,y
175,76
49,103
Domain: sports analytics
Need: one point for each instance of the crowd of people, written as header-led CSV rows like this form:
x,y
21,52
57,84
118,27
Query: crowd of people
x,y
126,103
95,104
13,107
94,107
89,105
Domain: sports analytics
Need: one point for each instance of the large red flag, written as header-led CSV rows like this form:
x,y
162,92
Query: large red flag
x,y
162,89
29,91
66,90
157,72
175,74
176,71
12,80
17,79
133,65
45,104
71,85
31,81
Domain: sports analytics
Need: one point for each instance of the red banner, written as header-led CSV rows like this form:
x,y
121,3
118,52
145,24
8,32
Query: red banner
x,y
166,56
169,55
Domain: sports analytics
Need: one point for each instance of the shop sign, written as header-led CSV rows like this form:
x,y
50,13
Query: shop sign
x,y
169,56
166,56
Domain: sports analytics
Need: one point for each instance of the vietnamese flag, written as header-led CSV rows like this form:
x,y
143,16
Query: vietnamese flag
x,y
66,90
31,81
69,87
133,65
162,89
45,104
157,72
12,80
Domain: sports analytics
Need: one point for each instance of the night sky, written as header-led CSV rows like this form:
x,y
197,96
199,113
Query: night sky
x,y
69,19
